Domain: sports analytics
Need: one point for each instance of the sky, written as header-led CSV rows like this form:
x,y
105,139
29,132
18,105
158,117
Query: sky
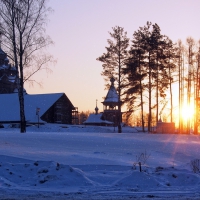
x,y
80,29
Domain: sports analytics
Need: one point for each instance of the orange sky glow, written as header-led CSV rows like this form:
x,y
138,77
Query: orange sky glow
x,y
80,29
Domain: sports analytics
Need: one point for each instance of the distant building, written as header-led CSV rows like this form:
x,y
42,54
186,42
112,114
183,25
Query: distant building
x,y
51,108
165,127
97,120
110,114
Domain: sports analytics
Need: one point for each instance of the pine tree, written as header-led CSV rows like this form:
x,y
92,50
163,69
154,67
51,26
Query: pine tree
x,y
147,68
114,61
148,45
135,74
159,71
170,62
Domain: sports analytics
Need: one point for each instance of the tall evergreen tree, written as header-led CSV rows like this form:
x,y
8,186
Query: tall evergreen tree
x,y
147,68
159,71
155,44
149,65
135,74
170,62
114,61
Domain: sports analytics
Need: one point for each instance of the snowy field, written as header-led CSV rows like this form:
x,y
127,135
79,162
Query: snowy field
x,y
78,162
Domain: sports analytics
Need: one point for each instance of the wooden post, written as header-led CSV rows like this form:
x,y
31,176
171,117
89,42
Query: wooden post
x,y
140,166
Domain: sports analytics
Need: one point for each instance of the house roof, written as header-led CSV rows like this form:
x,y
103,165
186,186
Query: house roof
x,y
96,119
9,105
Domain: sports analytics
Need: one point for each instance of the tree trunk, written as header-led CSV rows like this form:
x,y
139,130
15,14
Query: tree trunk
x,y
180,89
142,109
189,88
171,96
149,117
21,91
19,80
141,97
157,77
119,96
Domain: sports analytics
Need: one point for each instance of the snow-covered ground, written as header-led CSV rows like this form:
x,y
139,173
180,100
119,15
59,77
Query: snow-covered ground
x,y
78,162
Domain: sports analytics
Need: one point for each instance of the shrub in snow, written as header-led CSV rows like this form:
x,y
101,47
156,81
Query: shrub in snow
x,y
168,184
174,175
141,160
159,169
43,170
143,157
195,165
57,166
71,169
43,181
36,163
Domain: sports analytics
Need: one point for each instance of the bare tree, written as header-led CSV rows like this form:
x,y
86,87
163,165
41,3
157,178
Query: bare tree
x,y
22,25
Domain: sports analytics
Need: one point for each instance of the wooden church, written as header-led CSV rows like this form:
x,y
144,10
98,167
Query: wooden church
x,y
110,114
110,104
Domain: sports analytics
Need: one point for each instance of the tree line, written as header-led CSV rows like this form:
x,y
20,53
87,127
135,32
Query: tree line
x,y
147,67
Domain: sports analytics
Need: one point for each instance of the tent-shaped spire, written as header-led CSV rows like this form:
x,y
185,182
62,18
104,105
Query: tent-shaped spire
x,y
112,96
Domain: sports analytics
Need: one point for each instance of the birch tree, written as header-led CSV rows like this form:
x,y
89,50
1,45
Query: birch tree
x,y
22,25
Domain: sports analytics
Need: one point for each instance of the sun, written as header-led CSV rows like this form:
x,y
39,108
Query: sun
x,y
187,112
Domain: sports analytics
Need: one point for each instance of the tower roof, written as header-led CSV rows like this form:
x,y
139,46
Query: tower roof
x,y
112,96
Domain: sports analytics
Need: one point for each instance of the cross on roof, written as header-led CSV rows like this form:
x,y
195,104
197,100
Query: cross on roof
x,y
112,80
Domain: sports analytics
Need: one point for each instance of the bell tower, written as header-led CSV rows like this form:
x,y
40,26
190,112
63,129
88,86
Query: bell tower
x,y
110,104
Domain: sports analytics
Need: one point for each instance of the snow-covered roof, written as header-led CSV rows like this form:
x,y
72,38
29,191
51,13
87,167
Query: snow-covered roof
x,y
13,69
9,105
9,78
12,78
3,67
112,95
96,119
